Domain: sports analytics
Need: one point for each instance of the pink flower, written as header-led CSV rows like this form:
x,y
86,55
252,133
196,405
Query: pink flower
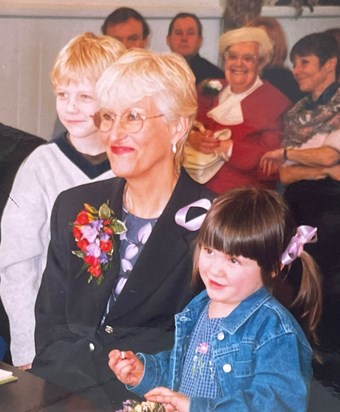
x,y
202,348
89,233
93,249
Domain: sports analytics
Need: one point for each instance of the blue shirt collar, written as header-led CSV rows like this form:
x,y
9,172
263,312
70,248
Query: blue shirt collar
x,y
236,318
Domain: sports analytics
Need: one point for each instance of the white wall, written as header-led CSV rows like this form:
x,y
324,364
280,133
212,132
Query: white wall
x,y
32,33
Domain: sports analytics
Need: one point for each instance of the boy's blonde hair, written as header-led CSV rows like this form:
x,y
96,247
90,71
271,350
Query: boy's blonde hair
x,y
85,56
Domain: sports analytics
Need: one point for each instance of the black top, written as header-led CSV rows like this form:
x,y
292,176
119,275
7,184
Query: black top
x,y
71,342
283,79
91,168
324,97
15,146
203,69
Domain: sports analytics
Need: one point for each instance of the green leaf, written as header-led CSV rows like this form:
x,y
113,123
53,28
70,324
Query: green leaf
x,y
118,227
105,212
78,253
81,271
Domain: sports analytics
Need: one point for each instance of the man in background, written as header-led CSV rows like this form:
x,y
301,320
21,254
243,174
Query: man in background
x,y
185,37
128,26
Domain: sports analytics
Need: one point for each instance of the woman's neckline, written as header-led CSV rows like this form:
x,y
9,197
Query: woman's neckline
x,y
129,203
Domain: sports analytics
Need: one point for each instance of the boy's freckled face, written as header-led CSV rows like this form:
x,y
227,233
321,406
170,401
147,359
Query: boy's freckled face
x,y
76,103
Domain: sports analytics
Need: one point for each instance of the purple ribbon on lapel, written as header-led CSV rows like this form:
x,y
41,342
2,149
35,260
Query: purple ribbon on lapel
x,y
193,224
304,234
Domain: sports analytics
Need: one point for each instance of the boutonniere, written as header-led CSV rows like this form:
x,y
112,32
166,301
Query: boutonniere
x,y
211,87
93,231
135,406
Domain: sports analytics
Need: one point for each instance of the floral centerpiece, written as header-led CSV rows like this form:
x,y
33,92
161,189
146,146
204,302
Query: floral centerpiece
x,y
135,406
93,231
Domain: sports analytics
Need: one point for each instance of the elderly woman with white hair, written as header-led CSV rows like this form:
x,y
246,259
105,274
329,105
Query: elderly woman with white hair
x,y
125,295
240,119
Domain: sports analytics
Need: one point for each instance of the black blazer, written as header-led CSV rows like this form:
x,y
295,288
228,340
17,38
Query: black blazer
x,y
69,310
15,146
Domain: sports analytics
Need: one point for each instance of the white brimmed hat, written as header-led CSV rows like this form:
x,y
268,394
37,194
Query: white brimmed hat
x,y
244,34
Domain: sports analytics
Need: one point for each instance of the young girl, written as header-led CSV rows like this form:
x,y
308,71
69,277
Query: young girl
x,y
236,347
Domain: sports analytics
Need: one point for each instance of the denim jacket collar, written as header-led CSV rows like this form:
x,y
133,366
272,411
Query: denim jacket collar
x,y
236,318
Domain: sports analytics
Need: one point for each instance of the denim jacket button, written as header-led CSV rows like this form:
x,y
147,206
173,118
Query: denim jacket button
x,y
227,368
220,336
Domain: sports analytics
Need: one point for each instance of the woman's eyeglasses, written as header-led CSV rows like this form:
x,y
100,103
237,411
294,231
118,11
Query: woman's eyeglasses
x,y
131,121
231,57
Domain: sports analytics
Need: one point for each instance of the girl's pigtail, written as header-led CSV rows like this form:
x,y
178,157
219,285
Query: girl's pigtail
x,y
308,301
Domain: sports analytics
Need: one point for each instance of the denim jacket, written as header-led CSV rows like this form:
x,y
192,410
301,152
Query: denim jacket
x,y
262,358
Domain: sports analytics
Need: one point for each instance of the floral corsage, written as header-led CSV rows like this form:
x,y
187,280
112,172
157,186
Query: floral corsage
x,y
135,406
211,87
93,231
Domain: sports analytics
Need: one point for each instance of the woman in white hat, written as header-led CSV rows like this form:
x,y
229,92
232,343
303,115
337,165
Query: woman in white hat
x,y
249,108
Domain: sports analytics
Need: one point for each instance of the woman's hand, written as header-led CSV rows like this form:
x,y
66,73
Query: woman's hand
x,y
271,161
225,148
333,172
25,367
173,401
128,368
204,142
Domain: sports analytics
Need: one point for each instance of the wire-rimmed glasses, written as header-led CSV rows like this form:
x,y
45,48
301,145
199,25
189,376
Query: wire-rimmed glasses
x,y
131,120
231,57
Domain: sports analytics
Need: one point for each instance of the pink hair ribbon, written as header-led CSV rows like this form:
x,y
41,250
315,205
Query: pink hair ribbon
x,y
193,224
304,234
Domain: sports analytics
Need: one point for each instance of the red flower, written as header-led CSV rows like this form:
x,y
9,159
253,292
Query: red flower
x,y
76,232
83,218
106,246
91,260
107,230
82,244
95,271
